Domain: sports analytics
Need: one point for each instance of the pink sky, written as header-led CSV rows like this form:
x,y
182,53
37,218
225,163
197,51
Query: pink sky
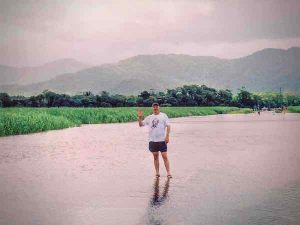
x,y
96,32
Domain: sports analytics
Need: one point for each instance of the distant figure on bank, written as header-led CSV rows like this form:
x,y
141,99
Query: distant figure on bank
x,y
258,111
284,110
159,131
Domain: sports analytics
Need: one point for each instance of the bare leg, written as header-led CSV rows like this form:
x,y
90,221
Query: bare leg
x,y
166,161
156,162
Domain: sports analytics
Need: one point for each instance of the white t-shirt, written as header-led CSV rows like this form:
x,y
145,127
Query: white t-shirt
x,y
157,126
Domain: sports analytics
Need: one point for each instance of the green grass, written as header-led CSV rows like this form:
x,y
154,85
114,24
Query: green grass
x,y
294,109
241,111
15,121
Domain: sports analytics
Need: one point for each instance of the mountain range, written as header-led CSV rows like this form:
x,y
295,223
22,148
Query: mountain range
x,y
27,75
265,70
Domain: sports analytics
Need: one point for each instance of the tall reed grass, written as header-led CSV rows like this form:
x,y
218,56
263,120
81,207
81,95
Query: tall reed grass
x,y
294,109
15,121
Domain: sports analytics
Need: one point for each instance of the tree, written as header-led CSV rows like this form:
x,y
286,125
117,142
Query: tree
x,y
161,97
118,100
224,97
171,93
87,93
187,95
5,100
148,102
63,100
131,101
172,101
258,102
88,101
50,98
33,102
145,95
291,99
244,98
105,104
75,101
105,97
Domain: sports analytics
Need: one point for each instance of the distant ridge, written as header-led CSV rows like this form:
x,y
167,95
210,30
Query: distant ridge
x,y
265,70
29,75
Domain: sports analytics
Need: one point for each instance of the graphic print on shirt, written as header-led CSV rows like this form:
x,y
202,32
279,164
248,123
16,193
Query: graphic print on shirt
x,y
155,122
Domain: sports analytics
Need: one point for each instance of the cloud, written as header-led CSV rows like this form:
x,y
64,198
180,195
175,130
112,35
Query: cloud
x,y
32,32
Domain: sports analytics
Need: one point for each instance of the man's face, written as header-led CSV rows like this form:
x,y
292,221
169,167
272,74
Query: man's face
x,y
155,109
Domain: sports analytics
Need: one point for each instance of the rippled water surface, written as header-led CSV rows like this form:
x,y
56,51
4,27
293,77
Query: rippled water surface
x,y
227,169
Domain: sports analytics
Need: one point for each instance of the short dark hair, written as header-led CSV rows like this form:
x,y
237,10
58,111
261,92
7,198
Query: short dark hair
x,y
155,104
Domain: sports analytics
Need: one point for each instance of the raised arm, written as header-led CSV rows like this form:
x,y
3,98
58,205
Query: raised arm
x,y
140,117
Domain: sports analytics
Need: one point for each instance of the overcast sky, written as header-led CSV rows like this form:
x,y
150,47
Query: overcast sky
x,y
33,32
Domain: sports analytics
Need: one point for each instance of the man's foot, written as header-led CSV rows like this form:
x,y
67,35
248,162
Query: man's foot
x,y
169,176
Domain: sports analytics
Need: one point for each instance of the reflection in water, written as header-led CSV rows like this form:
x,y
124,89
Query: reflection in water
x,y
156,214
158,200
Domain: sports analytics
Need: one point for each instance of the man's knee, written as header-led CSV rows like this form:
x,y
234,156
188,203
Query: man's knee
x,y
164,155
155,155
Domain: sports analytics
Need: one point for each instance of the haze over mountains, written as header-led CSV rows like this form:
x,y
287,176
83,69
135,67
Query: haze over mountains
x,y
29,75
265,70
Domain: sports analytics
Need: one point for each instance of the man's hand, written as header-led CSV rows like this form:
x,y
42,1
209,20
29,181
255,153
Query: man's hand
x,y
140,117
140,113
167,139
167,134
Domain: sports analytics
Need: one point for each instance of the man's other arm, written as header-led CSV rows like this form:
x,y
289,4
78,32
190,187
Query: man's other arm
x,y
168,134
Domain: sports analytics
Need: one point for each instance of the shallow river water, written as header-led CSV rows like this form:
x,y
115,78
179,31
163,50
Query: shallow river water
x,y
227,169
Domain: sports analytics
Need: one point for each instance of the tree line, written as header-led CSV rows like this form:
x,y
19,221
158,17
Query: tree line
x,y
187,95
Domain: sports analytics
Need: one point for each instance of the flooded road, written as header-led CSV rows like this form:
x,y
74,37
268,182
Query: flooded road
x,y
227,169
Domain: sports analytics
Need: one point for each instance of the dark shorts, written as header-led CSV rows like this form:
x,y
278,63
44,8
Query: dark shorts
x,y
158,146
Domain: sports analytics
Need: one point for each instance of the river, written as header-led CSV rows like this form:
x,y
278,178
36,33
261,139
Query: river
x,y
227,169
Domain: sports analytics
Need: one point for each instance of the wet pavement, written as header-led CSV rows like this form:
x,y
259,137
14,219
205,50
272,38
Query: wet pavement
x,y
227,169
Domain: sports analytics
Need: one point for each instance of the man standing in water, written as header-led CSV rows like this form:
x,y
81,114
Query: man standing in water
x,y
158,135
